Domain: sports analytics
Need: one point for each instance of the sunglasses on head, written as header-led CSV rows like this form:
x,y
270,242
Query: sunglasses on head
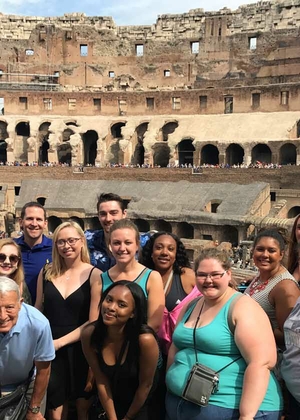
x,y
13,259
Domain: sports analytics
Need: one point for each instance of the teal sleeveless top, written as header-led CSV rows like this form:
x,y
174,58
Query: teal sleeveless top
x,y
141,280
215,348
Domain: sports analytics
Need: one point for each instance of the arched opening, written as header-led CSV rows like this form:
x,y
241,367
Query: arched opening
x,y
298,128
117,153
142,225
293,212
288,154
161,154
64,153
230,234
168,128
3,130
261,153
72,122
116,130
139,151
212,206
185,230
41,200
161,224
53,222
23,129
43,140
67,133
90,147
186,152
234,154
79,221
209,155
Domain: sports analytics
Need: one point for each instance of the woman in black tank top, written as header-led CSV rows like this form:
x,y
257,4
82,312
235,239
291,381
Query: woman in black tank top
x,y
123,353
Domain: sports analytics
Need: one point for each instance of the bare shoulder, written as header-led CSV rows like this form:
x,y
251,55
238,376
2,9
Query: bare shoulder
x,y
147,341
155,276
287,285
87,331
188,277
246,307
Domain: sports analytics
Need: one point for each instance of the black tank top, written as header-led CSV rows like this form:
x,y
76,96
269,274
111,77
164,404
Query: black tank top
x,y
176,293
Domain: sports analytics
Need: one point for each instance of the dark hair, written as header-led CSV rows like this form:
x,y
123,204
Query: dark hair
x,y
134,326
104,197
274,233
32,204
181,259
293,248
125,224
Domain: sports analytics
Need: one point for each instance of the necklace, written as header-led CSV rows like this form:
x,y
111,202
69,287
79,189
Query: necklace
x,y
67,276
257,285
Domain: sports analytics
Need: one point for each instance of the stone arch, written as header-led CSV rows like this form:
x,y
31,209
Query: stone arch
x,y
66,134
234,154
3,144
185,230
298,128
79,221
53,222
3,130
23,133
212,206
209,155
185,150
142,225
90,147
71,122
230,234
116,130
139,150
261,153
168,128
41,200
293,212
161,154
288,154
161,224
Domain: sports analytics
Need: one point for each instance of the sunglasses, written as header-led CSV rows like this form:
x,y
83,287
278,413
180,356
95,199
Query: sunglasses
x,y
13,259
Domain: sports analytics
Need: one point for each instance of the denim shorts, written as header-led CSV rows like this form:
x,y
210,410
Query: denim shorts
x,y
179,409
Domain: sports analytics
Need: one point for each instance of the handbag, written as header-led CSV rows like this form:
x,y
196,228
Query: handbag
x,y
14,406
202,381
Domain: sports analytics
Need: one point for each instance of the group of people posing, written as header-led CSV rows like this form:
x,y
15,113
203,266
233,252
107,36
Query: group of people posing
x,y
125,320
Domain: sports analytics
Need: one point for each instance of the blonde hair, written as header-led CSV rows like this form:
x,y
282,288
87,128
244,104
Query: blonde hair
x,y
57,267
18,274
221,256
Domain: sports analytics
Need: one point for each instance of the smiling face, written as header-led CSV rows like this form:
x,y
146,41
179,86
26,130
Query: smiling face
x,y
64,248
10,306
164,252
267,255
118,306
33,225
215,285
9,266
109,212
123,244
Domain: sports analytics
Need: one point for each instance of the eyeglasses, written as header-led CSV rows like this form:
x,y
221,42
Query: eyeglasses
x,y
13,259
69,241
213,276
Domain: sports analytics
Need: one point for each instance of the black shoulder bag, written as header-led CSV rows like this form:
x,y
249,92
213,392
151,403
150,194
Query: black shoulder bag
x,y
202,381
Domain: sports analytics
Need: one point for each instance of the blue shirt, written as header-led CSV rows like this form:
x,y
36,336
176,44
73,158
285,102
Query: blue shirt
x,y
34,260
29,341
99,255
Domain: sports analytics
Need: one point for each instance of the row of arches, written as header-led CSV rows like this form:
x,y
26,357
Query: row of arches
x,y
184,151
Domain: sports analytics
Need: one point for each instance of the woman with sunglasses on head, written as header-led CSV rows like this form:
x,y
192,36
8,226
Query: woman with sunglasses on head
x,y
123,353
124,243
274,288
11,265
229,333
294,250
68,291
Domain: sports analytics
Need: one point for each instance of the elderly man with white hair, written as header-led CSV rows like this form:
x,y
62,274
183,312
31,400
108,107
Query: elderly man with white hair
x,y
26,349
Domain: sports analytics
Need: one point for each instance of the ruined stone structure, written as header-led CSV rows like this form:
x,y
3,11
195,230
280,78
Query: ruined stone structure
x,y
201,87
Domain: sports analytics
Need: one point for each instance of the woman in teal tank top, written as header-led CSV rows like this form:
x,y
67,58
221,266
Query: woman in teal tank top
x,y
124,242
240,334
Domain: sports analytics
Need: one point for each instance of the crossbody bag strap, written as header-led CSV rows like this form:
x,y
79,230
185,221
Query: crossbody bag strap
x,y
194,331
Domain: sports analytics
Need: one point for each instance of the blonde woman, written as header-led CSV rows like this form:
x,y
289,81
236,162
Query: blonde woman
x,y
69,291
11,265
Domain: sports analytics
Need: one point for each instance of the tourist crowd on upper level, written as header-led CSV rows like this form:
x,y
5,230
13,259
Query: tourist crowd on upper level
x,y
123,328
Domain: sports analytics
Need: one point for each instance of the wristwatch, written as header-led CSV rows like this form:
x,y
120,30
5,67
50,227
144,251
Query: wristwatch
x,y
35,409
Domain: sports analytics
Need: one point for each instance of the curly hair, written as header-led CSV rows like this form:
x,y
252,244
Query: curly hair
x,y
293,248
181,259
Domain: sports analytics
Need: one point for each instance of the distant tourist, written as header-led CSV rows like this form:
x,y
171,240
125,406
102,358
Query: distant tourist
x,y
36,248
